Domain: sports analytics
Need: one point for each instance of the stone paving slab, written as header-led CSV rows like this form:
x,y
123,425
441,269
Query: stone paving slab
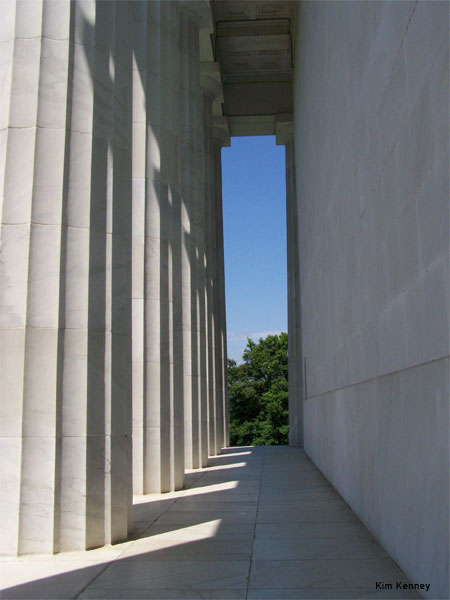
x,y
257,523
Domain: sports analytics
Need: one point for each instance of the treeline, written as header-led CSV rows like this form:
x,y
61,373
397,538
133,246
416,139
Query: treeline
x,y
258,393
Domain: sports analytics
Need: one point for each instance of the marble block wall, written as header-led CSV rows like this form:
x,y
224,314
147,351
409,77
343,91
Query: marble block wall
x,y
371,142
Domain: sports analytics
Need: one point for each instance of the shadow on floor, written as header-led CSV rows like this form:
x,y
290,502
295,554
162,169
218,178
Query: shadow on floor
x,y
258,522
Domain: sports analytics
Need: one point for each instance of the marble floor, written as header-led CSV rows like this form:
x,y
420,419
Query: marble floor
x,y
258,523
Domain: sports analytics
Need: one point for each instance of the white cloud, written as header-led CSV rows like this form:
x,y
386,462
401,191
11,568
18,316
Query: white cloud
x,y
262,334
236,337
237,342
254,335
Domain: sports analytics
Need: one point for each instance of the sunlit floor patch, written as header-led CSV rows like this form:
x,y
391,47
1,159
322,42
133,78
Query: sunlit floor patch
x,y
239,465
156,541
231,454
268,527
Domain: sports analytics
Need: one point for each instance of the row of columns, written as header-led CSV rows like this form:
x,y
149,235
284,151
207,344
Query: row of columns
x,y
178,399
111,299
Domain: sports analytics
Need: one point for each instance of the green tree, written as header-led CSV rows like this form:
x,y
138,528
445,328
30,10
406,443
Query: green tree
x,y
258,393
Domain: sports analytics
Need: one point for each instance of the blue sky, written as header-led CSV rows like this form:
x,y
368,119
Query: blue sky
x,y
254,216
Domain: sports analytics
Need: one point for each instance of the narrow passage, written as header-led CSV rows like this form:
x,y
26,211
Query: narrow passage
x,y
258,523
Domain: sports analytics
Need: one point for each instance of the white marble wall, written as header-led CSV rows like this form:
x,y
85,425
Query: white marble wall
x,y
65,275
371,118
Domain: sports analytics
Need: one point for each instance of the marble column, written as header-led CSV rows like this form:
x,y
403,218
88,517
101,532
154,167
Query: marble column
x,y
191,229
202,343
195,17
140,31
211,88
151,404
221,137
209,273
200,276
171,172
285,136
65,290
157,269
169,341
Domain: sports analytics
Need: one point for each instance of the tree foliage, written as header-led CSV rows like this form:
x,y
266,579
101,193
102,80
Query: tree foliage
x,y
258,393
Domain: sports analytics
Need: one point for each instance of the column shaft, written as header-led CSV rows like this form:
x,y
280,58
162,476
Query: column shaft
x,y
202,287
156,441
159,338
209,226
294,321
66,238
199,339
189,78
140,85
221,355
218,292
172,170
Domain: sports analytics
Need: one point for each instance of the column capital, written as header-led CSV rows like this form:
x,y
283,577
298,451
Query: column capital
x,y
210,79
221,131
284,129
200,11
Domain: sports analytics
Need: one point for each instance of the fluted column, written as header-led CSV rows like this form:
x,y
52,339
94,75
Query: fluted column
x,y
30,270
285,136
158,444
191,229
221,138
139,32
118,225
65,265
171,172
208,232
149,268
201,291
211,88
200,274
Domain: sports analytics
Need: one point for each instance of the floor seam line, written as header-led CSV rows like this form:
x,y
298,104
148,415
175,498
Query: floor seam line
x,y
119,556
83,589
256,521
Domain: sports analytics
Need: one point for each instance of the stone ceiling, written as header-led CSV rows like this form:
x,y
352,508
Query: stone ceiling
x,y
252,42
